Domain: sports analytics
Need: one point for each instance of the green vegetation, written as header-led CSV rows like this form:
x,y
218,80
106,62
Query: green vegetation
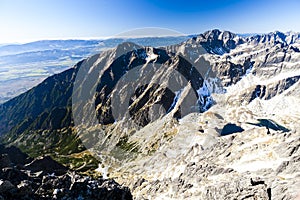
x,y
62,145
126,146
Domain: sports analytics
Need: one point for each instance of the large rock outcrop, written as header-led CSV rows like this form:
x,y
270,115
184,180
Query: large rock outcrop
x,y
44,178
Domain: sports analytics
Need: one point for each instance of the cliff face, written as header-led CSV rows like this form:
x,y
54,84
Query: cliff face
x,y
214,117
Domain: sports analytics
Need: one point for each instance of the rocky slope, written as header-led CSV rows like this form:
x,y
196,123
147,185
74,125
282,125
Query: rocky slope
x,y
214,117
42,178
251,164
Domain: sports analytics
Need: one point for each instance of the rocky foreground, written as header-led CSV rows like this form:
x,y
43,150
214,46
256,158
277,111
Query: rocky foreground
x,y
43,178
253,164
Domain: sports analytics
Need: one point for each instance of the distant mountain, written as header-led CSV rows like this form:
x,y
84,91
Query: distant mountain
x,y
213,117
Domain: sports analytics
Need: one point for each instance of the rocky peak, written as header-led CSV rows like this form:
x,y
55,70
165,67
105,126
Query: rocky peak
x,y
274,38
156,66
212,34
292,37
216,34
218,42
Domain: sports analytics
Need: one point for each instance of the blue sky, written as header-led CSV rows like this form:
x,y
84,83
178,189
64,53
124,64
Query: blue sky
x,y
28,20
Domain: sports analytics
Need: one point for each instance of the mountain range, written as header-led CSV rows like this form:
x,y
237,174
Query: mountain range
x,y
26,65
212,117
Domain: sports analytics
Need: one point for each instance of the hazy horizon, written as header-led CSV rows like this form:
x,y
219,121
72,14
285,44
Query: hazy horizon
x,y
111,37
33,20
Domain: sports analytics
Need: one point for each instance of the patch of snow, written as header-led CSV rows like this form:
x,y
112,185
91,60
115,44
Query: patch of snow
x,y
103,170
248,71
177,96
219,50
204,93
151,56
56,191
213,85
247,82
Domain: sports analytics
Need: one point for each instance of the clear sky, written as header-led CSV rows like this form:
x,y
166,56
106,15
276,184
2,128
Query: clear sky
x,y
28,20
